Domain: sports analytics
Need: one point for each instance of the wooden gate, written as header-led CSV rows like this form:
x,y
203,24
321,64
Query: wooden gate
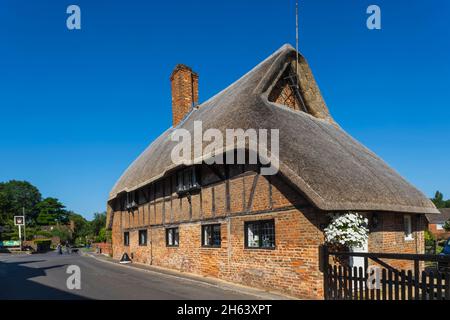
x,y
377,280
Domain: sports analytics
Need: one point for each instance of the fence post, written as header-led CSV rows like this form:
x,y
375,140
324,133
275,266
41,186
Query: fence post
x,y
325,256
416,279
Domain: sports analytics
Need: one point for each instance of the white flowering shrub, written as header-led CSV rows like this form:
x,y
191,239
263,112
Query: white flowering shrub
x,y
348,230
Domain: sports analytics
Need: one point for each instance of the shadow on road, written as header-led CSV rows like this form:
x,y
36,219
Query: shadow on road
x,y
16,283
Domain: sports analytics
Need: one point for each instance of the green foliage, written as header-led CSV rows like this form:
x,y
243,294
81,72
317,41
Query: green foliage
x,y
62,233
447,226
43,241
51,212
103,236
82,226
18,195
439,201
98,223
429,238
10,231
44,233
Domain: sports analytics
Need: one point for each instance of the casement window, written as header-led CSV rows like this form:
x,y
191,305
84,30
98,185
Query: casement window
x,y
131,200
188,180
408,227
211,236
142,237
173,237
260,234
440,226
126,239
141,196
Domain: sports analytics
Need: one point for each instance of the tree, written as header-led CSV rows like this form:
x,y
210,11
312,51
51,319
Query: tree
x,y
98,223
63,234
51,212
439,201
16,196
447,226
82,228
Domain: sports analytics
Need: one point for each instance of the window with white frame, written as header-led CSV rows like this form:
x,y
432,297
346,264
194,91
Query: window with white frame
x,y
440,226
408,227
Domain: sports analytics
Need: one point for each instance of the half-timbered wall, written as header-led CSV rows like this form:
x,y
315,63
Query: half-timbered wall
x,y
232,196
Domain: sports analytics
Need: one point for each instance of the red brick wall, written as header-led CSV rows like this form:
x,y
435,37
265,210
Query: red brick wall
x,y
103,248
389,237
291,268
439,234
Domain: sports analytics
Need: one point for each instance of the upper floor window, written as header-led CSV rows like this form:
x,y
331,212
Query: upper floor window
x,y
131,200
173,237
211,235
260,234
187,180
142,237
408,227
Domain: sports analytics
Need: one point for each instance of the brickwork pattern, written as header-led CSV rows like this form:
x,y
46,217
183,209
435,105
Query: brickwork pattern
x,y
291,268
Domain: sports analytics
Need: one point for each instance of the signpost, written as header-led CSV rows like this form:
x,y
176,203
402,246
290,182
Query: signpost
x,y
20,221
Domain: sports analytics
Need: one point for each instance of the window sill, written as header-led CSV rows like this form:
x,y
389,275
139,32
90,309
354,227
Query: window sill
x,y
409,239
211,247
265,249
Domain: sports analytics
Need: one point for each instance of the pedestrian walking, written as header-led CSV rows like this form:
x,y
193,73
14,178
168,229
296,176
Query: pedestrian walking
x,y
59,248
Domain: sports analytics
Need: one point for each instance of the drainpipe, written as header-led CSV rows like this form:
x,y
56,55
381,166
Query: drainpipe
x,y
151,246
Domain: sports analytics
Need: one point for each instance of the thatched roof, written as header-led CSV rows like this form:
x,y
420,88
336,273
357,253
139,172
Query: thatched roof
x,y
326,164
443,217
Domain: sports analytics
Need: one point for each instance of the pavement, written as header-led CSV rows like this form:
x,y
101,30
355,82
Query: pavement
x,y
44,277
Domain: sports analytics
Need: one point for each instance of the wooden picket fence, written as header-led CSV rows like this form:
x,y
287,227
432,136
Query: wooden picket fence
x,y
385,282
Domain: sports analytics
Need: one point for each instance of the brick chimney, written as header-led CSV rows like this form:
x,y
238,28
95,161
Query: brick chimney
x,y
184,92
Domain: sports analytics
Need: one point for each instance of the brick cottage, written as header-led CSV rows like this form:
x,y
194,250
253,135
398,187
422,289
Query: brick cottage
x,y
231,222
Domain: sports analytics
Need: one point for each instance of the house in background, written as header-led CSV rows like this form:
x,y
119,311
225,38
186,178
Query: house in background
x,y
436,224
231,222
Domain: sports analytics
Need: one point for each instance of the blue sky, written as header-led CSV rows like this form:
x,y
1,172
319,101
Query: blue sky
x,y
77,107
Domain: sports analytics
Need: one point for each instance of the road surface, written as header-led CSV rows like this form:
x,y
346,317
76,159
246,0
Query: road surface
x,y
44,277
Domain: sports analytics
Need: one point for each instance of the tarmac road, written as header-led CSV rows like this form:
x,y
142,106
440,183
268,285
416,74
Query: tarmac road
x,y
44,277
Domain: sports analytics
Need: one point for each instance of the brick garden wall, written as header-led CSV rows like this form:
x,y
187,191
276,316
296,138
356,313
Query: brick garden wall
x,y
103,248
389,237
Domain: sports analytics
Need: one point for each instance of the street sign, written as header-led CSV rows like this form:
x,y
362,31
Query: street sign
x,y
7,244
19,220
